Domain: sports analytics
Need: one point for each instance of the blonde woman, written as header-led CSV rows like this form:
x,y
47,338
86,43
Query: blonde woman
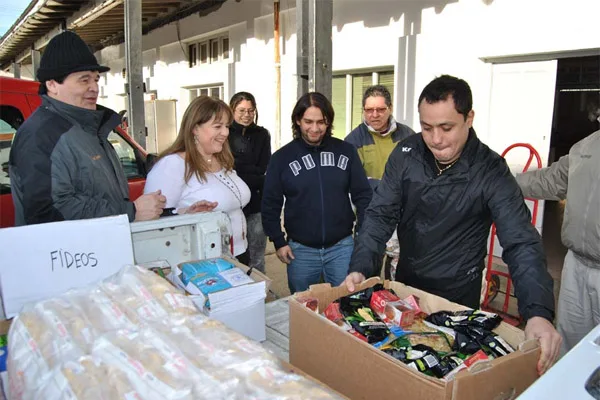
x,y
196,172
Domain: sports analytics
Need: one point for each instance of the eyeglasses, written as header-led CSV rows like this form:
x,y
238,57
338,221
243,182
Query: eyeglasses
x,y
380,110
242,111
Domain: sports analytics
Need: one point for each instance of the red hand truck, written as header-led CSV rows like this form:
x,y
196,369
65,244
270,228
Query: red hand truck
x,y
493,276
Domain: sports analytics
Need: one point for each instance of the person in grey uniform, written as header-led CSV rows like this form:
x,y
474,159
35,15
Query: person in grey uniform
x,y
575,177
61,164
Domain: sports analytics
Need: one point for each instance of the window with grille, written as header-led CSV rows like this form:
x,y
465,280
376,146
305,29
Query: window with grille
x,y
209,51
217,91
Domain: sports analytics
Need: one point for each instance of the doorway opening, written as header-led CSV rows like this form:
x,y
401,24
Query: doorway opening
x,y
576,100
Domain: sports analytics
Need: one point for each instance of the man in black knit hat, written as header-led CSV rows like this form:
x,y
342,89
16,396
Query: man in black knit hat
x,y
61,165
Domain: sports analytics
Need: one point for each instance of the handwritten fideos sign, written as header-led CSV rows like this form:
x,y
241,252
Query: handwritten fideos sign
x,y
45,260
66,259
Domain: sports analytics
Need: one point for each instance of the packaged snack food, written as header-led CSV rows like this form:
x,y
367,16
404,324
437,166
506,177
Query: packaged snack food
x,y
362,319
465,344
309,302
478,356
447,363
87,378
486,339
153,365
438,341
136,300
103,313
333,313
391,309
413,302
268,383
475,318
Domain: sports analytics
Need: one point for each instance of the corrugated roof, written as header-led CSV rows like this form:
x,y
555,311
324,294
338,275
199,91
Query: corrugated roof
x,y
99,23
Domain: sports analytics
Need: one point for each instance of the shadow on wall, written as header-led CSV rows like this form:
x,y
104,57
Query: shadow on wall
x,y
383,12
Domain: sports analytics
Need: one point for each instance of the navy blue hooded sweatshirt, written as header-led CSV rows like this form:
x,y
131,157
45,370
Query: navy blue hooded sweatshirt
x,y
316,182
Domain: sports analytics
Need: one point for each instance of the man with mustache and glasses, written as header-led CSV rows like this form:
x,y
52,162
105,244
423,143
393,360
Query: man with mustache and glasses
x,y
379,133
441,190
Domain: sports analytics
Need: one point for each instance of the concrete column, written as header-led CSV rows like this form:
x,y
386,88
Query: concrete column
x,y
133,61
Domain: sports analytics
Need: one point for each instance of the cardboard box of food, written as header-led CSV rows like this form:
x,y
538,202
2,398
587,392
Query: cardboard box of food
x,y
360,371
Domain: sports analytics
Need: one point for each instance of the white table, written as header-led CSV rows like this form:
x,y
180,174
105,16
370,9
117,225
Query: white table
x,y
567,378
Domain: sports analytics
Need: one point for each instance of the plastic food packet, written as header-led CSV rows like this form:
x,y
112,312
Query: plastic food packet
x,y
435,340
475,318
423,359
465,344
170,298
498,346
147,296
211,345
363,319
469,361
86,378
31,353
41,337
68,321
333,313
103,313
153,365
309,302
266,382
391,309
447,363
365,295
413,302
136,299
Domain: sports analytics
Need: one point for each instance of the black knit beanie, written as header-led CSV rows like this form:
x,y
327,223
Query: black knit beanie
x,y
67,53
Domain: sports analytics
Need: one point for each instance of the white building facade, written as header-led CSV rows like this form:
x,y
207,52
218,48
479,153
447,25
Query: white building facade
x,y
505,49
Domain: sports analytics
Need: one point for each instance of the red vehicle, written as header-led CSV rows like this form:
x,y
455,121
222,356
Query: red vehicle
x,y
18,99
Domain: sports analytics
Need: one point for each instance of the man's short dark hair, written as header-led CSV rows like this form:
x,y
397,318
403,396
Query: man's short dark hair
x,y
44,90
443,86
375,91
312,99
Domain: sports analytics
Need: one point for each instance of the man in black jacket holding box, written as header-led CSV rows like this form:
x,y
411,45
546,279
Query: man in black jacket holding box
x,y
441,190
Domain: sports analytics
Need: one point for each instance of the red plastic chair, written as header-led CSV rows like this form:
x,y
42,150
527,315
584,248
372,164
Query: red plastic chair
x,y
492,275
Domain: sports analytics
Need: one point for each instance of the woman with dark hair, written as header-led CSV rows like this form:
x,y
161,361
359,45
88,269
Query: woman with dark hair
x,y
251,148
196,172
319,177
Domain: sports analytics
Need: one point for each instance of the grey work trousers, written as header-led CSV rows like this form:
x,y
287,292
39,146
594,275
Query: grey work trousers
x,y
579,300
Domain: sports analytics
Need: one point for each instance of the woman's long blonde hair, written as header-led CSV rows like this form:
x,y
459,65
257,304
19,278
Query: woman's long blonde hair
x,y
200,111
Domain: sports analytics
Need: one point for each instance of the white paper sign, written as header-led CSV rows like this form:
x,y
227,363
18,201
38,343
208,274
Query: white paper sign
x,y
45,260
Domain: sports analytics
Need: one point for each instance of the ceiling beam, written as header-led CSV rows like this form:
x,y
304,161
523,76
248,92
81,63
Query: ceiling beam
x,y
85,15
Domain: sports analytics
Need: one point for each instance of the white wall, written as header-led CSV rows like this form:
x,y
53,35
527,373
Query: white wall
x,y
250,67
418,39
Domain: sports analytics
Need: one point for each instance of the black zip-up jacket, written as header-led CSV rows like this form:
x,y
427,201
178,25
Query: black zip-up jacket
x,y
251,148
443,225
316,182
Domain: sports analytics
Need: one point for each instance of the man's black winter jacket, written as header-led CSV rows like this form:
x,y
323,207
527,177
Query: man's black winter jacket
x,y
443,224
